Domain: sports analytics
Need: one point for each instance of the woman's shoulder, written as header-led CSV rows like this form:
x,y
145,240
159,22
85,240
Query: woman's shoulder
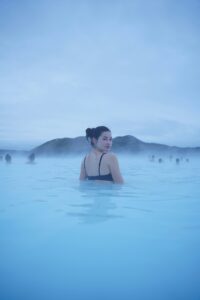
x,y
111,156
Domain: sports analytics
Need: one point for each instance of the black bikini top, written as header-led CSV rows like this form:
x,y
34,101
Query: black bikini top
x,y
107,177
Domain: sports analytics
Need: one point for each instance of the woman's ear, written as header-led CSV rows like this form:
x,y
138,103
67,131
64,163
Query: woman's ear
x,y
94,141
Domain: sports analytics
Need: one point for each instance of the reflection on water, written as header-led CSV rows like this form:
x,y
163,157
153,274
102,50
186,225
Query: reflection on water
x,y
97,202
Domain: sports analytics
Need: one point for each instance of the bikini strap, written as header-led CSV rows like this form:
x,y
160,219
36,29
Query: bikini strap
x,y
100,162
84,165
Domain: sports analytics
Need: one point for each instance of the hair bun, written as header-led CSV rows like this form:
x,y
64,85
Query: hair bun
x,y
90,132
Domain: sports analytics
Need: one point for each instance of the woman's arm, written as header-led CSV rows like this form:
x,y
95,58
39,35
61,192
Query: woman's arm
x,y
83,175
114,168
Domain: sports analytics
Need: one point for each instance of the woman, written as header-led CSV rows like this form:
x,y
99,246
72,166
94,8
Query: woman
x,y
99,164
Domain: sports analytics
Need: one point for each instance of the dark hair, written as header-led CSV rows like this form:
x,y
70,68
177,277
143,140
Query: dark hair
x,y
95,133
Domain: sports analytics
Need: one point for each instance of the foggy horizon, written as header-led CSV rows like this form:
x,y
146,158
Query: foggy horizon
x,y
28,145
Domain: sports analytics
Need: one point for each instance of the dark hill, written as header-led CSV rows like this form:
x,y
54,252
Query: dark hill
x,y
124,144
63,146
121,144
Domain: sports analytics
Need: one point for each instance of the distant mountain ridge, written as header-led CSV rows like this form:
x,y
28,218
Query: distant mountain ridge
x,y
121,144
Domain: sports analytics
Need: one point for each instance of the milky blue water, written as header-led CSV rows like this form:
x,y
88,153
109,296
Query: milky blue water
x,y
60,239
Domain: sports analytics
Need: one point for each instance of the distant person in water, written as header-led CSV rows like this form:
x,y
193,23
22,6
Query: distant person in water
x,y
152,158
100,164
8,158
31,158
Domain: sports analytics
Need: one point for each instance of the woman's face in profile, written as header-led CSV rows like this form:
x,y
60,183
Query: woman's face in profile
x,y
104,142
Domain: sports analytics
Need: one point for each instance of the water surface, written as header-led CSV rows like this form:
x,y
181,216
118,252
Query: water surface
x,y
61,239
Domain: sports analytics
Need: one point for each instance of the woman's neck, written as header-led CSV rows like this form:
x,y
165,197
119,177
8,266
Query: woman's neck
x,y
97,151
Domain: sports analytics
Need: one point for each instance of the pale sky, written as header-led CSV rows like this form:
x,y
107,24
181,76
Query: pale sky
x,y
133,66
